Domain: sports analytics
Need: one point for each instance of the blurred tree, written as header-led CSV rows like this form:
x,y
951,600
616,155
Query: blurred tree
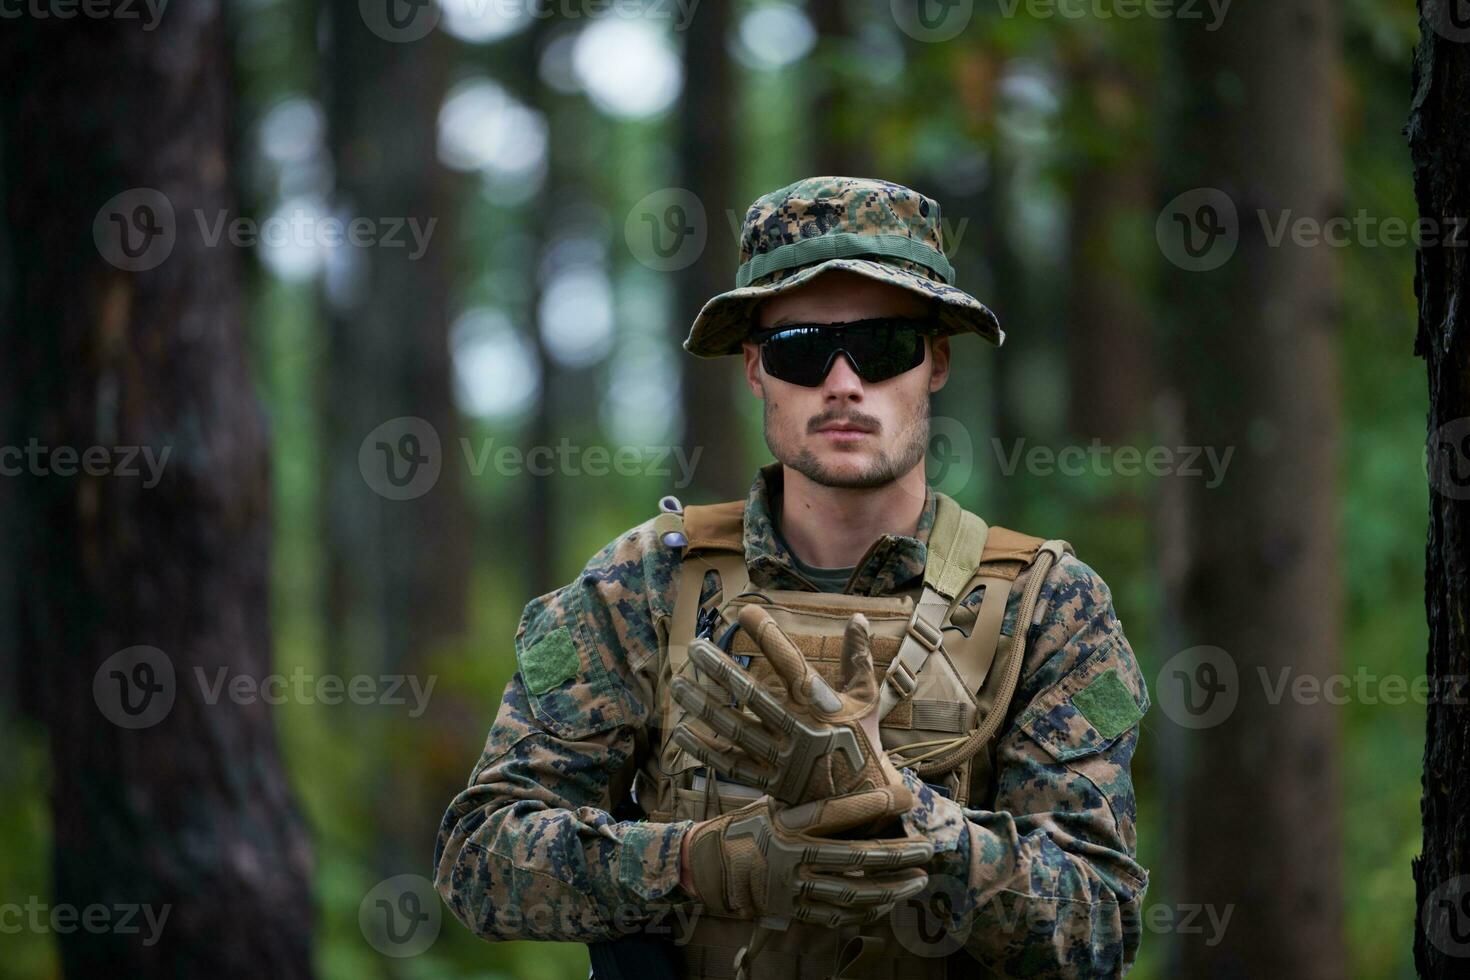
x,y
708,159
1253,338
1439,138
1111,188
841,128
396,570
544,540
167,791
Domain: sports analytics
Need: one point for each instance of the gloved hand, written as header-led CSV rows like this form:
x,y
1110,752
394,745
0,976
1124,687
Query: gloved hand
x,y
782,865
820,743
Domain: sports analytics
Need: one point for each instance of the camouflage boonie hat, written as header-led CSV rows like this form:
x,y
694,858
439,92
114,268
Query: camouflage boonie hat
x,y
875,228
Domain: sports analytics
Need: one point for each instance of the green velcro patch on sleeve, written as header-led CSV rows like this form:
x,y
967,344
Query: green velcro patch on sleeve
x,y
1107,704
549,661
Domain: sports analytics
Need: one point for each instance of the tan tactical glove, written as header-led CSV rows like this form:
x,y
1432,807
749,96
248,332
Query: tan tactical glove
x,y
782,866
820,743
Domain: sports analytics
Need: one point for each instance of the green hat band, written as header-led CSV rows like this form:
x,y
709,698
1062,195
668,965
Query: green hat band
x,y
844,245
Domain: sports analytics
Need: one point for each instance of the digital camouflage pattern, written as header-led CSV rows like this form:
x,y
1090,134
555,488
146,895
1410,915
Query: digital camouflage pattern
x,y
821,206
1044,881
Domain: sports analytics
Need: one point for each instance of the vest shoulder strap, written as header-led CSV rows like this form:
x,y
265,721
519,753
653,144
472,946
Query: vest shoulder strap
x,y
719,527
1010,550
956,543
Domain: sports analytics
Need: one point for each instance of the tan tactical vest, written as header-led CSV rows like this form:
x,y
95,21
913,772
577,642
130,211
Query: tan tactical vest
x,y
948,674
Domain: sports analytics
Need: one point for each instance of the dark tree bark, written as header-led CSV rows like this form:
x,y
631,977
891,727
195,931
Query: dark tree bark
x,y
397,571
1255,349
708,158
1439,138
190,814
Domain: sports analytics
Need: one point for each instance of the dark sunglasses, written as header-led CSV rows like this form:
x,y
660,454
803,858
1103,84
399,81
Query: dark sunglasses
x,y
879,349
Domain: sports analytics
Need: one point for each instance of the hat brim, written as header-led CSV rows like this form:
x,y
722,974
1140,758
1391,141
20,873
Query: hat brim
x,y
725,321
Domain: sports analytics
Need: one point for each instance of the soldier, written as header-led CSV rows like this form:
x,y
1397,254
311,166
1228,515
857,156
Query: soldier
x,y
841,728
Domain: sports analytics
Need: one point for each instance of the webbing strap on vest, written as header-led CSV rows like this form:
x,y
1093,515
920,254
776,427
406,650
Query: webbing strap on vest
x,y
956,543
1047,555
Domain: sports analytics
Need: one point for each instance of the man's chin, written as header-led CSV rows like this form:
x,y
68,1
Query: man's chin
x,y
844,470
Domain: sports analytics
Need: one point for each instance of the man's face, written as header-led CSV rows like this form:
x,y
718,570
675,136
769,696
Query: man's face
x,y
847,432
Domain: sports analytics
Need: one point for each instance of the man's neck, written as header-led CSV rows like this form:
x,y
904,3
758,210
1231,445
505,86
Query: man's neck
x,y
833,527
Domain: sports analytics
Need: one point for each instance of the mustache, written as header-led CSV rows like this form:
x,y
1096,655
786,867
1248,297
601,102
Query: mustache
x,y
868,422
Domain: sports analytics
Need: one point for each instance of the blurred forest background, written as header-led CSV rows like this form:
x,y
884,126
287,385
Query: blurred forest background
x,y
585,171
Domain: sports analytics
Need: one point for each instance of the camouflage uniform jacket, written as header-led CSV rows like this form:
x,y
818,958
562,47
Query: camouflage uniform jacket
x,y
1044,882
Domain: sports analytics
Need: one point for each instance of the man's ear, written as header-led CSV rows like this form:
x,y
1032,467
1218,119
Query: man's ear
x,y
939,351
754,376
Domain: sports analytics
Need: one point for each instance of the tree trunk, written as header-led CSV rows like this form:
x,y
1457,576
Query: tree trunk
x,y
840,120
397,570
168,795
1253,339
707,160
1439,138
1109,335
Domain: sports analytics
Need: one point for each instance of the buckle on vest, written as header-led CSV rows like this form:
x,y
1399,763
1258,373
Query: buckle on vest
x,y
927,636
902,679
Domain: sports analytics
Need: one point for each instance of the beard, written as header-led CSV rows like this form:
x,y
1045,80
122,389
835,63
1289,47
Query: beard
x,y
887,466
